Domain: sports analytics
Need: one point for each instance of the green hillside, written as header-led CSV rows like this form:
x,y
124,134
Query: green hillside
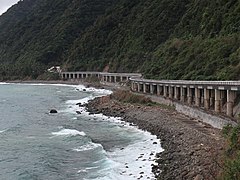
x,y
164,39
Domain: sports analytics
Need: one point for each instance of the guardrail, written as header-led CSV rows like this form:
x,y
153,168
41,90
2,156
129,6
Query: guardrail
x,y
185,82
106,73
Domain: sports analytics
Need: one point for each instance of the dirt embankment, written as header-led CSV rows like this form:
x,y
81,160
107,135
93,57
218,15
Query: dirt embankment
x,y
191,147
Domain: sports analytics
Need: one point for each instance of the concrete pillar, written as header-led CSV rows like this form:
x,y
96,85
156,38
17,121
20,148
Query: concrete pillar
x,y
138,87
144,88
182,91
176,95
165,89
115,79
197,97
151,88
189,95
211,98
230,102
217,101
158,90
170,88
206,99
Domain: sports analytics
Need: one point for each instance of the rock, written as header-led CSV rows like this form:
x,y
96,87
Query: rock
x,y
154,142
84,90
79,104
53,111
198,177
78,112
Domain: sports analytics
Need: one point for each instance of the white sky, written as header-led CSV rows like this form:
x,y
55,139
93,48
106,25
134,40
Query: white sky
x,y
5,4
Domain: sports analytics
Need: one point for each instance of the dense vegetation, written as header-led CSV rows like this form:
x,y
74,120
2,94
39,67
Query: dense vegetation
x,y
231,165
164,39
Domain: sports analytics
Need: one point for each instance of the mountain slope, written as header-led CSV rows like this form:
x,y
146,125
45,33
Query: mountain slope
x,y
164,39
36,34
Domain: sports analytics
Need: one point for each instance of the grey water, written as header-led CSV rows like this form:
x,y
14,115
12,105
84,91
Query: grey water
x,y
35,144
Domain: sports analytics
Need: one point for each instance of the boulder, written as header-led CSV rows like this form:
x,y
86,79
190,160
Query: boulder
x,y
78,112
53,111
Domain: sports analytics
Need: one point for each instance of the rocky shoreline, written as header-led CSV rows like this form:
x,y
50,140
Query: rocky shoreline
x,y
191,148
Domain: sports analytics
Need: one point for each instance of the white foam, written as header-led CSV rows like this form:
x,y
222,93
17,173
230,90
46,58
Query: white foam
x,y
79,87
138,157
68,132
2,131
82,171
87,147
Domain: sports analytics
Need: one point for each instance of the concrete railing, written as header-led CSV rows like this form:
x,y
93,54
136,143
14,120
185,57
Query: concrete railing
x,y
187,82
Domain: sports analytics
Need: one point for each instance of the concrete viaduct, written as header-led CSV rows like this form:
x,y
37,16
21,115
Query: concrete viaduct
x,y
103,76
218,96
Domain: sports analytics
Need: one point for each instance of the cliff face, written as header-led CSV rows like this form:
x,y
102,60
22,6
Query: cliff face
x,y
167,39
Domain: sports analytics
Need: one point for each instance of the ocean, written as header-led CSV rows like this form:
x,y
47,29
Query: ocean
x,y
35,144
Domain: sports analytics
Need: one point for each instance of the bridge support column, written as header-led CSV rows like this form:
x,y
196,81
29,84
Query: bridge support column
x,y
189,95
176,95
211,99
206,99
165,89
158,90
138,87
144,88
135,86
182,98
197,97
230,102
121,78
170,92
217,101
115,79
151,88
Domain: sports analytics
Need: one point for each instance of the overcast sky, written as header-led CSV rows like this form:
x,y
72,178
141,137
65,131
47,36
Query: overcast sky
x,y
5,4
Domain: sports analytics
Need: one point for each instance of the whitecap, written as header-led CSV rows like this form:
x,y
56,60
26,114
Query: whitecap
x,y
68,132
82,171
82,101
87,147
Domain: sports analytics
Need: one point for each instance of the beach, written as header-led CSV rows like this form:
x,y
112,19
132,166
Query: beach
x,y
191,148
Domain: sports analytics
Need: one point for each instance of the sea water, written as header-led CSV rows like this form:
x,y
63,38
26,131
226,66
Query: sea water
x,y
35,144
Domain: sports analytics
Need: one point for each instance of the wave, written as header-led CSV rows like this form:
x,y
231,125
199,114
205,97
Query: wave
x,y
88,147
82,101
2,131
69,132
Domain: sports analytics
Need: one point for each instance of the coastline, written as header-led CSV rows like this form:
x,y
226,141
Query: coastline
x,y
191,148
